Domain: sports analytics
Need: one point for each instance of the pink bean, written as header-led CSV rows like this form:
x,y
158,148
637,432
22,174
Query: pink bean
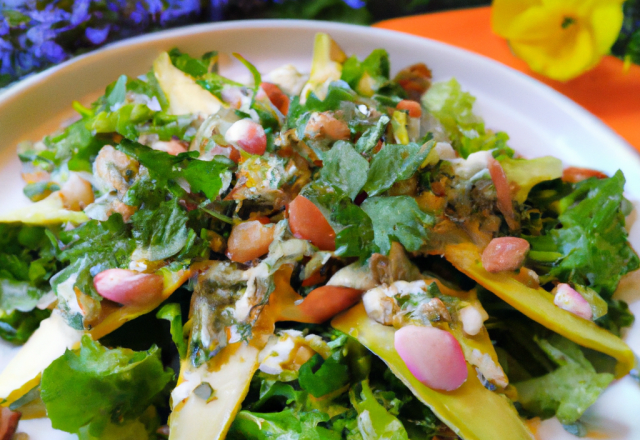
x,y
433,356
248,135
128,286
568,299
8,423
504,254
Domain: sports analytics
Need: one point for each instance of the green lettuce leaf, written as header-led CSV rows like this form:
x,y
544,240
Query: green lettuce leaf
x,y
454,109
394,163
16,326
93,387
195,67
344,168
398,219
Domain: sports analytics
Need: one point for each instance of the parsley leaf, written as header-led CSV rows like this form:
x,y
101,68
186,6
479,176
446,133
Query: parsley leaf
x,y
398,219
353,227
203,176
91,248
394,163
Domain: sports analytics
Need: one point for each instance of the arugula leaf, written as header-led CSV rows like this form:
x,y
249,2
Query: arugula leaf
x,y
320,377
344,168
353,227
94,386
204,176
568,391
159,233
592,240
454,109
398,219
172,313
618,316
91,248
374,421
370,137
394,163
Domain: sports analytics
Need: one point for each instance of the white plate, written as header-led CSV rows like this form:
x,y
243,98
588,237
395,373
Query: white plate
x,y
539,120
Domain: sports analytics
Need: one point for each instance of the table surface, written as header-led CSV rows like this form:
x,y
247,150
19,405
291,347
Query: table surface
x,y
608,91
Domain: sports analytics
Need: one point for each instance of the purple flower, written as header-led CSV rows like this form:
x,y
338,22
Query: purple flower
x,y
97,36
355,4
80,12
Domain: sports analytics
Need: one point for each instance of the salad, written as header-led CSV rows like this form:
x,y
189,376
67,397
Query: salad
x,y
340,255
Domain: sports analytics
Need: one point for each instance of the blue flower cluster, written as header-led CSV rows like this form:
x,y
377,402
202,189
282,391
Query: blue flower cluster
x,y
37,34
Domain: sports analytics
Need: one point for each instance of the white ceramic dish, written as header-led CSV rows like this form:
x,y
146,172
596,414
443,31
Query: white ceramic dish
x,y
539,120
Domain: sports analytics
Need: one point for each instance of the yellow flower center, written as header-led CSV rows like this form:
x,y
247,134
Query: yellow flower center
x,y
567,21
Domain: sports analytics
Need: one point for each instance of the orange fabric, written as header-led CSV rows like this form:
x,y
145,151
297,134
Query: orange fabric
x,y
607,91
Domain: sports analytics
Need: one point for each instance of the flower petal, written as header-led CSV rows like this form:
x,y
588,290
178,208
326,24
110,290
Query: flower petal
x,y
503,12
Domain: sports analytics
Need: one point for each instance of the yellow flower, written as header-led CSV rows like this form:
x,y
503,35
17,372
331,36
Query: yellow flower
x,y
558,38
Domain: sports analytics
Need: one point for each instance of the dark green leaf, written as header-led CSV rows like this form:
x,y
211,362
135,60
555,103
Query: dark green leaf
x,y
344,168
320,377
370,137
398,219
95,386
171,312
159,233
394,163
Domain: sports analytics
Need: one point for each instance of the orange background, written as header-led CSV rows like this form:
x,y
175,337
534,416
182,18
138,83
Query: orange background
x,y
607,91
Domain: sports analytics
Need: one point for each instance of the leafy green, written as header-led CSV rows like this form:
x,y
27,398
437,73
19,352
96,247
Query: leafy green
x,y
167,169
371,135
374,421
27,261
394,163
344,168
566,392
398,219
299,113
320,377
454,109
159,233
195,67
17,326
93,387
592,240
353,227
288,424
171,312
618,316
91,248
368,76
